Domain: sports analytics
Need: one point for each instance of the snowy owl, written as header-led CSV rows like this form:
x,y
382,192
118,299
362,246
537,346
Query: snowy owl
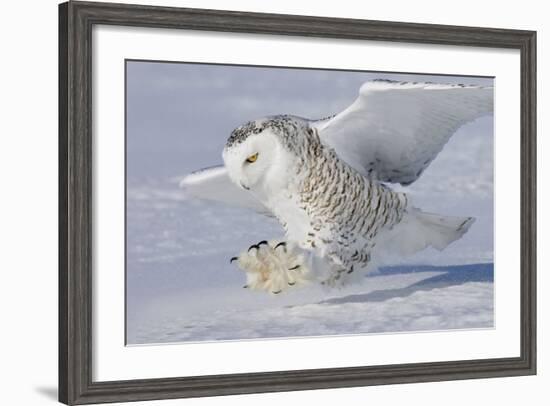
x,y
327,181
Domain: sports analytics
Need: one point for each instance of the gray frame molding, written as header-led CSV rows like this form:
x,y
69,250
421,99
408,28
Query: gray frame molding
x,y
75,202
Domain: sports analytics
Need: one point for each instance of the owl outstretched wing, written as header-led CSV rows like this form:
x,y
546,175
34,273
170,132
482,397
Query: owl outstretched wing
x,y
394,130
214,184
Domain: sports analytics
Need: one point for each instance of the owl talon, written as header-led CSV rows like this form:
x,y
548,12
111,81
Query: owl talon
x,y
233,259
294,268
281,244
271,269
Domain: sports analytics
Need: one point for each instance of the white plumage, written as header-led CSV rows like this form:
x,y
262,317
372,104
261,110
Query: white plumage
x,y
326,181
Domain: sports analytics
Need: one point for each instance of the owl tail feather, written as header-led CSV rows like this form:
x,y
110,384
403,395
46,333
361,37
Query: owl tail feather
x,y
419,230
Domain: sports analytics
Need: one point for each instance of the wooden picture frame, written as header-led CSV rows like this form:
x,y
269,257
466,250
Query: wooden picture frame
x,y
76,20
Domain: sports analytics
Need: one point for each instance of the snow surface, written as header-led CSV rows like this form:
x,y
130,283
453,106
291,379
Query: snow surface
x,y
408,301
180,285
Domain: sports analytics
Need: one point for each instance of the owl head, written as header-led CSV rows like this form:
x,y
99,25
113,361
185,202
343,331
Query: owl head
x,y
259,154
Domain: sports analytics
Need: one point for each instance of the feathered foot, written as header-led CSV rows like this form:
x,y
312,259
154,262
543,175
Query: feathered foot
x,y
273,266
338,277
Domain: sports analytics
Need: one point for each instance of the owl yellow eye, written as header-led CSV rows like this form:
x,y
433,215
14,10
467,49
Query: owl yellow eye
x,y
252,158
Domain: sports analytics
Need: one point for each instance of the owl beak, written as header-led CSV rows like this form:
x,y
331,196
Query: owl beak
x,y
244,187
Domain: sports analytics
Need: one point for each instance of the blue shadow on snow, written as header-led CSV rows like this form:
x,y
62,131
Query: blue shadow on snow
x,y
453,275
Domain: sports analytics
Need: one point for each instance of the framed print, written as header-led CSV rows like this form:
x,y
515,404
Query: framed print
x,y
258,202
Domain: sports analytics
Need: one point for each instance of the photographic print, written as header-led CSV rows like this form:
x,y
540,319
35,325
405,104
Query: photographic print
x,y
272,202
